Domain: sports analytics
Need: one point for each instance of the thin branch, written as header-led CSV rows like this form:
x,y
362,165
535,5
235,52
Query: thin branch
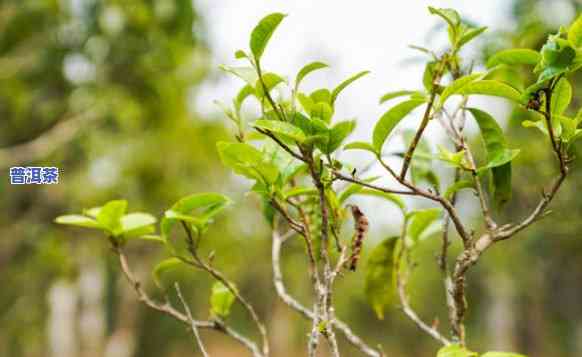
x,y
425,119
169,310
372,186
446,204
192,322
232,288
280,143
281,290
537,212
489,221
401,283
414,191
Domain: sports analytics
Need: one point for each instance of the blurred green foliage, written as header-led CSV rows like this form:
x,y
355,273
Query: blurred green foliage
x,y
124,73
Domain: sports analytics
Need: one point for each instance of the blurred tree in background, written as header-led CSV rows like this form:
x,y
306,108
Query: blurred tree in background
x,y
103,89
536,288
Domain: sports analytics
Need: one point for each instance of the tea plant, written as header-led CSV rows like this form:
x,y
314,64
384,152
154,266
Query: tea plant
x,y
290,154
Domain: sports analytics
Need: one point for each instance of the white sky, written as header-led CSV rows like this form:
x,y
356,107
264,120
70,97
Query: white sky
x,y
349,36
372,35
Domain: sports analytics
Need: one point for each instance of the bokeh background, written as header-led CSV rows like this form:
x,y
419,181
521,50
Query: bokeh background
x,y
118,95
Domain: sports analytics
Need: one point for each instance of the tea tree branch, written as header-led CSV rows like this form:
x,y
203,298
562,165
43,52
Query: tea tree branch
x,y
199,263
277,242
425,119
192,322
295,171
169,310
402,274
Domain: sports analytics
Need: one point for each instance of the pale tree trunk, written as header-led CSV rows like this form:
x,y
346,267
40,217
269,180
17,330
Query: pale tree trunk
x,y
500,314
92,314
122,342
281,328
61,329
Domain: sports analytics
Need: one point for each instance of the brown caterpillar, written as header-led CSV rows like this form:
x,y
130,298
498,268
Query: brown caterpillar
x,y
361,228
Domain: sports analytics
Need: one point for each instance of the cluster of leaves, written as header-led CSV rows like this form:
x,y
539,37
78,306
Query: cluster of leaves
x,y
301,126
560,56
291,154
196,211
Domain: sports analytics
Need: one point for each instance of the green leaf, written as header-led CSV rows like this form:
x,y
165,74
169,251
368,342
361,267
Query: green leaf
x,y
492,88
197,209
163,267
245,160
92,212
469,35
390,119
353,189
313,66
300,191
557,56
282,128
575,32
457,186
271,80
455,159
401,93
456,86
420,220
153,238
110,216
221,300
306,102
379,284
542,126
386,196
561,97
346,83
240,54
78,220
205,202
455,351
428,75
360,145
515,56
242,95
497,150
500,159
247,74
449,15
135,224
502,354
357,189
262,34
339,133
569,128
322,95
551,72
322,111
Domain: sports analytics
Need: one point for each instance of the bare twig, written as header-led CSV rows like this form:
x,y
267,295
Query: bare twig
x,y
425,119
414,191
169,310
216,274
401,283
278,281
471,254
192,322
